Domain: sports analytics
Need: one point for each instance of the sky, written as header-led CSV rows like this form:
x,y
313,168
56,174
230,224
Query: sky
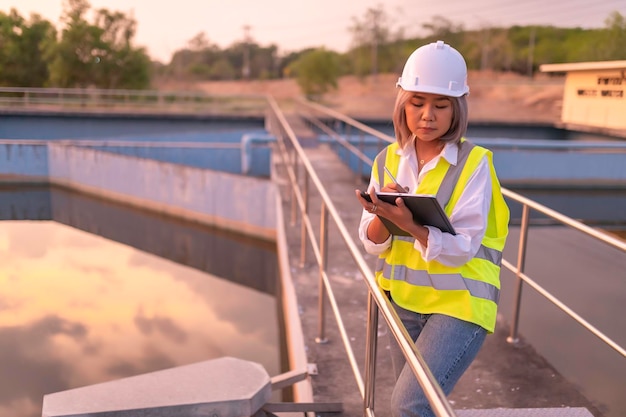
x,y
165,27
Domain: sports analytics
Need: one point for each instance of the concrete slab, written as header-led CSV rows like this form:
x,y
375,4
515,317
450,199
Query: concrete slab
x,y
224,387
527,412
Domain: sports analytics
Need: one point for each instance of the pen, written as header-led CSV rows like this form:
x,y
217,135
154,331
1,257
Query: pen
x,y
395,181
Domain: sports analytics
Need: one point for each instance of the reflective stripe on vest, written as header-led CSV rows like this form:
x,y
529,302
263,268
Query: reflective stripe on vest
x,y
477,289
488,254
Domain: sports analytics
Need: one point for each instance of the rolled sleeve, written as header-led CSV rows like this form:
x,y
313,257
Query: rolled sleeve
x,y
369,246
376,248
433,250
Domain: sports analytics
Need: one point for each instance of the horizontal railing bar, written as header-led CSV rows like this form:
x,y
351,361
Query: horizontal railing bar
x,y
126,92
555,144
567,310
125,144
615,242
341,140
336,115
21,99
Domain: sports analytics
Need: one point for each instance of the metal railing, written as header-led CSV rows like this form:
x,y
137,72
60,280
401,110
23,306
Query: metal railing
x,y
293,157
94,100
522,278
527,205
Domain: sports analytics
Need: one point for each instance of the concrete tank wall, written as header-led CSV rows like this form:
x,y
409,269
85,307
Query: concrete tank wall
x,y
542,163
234,202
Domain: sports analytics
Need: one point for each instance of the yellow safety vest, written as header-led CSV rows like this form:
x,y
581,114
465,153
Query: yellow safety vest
x,y
469,292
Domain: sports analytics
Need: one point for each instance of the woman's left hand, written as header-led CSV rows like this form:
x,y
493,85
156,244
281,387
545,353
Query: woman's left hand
x,y
399,214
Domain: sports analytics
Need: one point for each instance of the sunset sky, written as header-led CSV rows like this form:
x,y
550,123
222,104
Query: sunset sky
x,y
164,27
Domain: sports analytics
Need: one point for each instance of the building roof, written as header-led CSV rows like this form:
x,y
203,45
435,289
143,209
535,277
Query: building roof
x,y
583,66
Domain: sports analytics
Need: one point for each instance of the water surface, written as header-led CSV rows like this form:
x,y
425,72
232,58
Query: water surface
x,y
78,309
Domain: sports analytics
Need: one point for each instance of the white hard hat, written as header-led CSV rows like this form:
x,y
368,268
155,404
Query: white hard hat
x,y
435,68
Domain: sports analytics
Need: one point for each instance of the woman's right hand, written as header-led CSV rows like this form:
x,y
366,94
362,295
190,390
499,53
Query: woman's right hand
x,y
392,187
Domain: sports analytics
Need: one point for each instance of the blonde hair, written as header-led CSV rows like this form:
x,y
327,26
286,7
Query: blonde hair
x,y
458,127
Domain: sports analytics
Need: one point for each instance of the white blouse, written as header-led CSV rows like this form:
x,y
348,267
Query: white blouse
x,y
469,217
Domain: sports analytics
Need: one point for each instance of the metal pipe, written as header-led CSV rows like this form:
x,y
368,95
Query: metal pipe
x,y
321,335
521,259
293,163
305,196
370,353
360,164
568,221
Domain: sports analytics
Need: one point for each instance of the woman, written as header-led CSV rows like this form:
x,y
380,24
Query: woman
x,y
444,287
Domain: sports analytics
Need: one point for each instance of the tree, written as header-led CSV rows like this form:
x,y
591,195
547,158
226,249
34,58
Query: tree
x,y
614,37
222,69
442,28
199,42
316,72
21,59
99,54
372,31
119,64
71,60
197,60
371,40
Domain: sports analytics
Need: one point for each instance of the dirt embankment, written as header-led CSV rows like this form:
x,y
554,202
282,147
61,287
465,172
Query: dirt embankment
x,y
494,97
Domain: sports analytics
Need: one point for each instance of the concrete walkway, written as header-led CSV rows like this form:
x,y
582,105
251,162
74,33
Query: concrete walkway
x,y
502,376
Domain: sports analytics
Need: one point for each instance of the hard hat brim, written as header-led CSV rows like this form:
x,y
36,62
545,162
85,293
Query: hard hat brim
x,y
434,90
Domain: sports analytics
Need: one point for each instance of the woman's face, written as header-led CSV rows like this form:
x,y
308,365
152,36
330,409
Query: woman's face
x,y
428,116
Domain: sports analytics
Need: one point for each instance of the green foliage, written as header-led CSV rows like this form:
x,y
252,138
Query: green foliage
x,y
222,69
375,43
21,58
316,72
75,57
127,68
523,49
100,53
202,60
613,39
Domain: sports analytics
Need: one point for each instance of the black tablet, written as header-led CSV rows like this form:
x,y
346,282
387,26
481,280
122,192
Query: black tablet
x,y
425,208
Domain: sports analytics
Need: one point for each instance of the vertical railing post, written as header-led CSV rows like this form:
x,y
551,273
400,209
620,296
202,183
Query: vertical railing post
x,y
360,163
305,215
370,355
521,259
294,200
321,335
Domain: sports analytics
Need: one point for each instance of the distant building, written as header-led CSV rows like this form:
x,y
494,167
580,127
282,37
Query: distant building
x,y
594,97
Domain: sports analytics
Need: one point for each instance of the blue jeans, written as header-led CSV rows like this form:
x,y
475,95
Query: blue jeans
x,y
448,345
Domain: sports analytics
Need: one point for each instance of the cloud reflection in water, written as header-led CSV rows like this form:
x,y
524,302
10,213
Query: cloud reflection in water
x,y
77,309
